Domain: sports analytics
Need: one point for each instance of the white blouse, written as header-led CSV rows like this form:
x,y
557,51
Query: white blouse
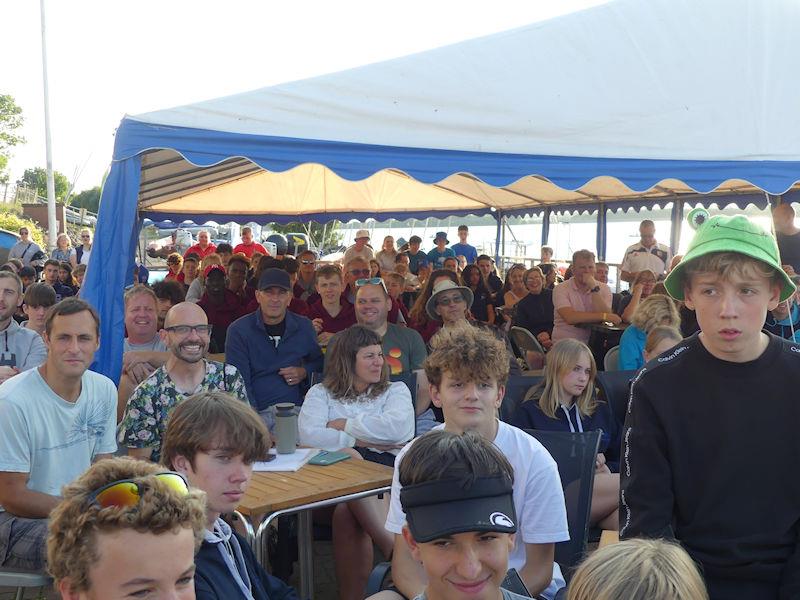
x,y
385,419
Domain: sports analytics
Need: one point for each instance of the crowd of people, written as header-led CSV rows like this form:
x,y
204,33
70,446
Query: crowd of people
x,y
402,357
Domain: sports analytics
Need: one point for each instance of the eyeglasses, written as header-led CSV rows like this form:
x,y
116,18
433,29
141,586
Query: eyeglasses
x,y
185,329
307,262
448,300
85,237
372,281
357,272
128,492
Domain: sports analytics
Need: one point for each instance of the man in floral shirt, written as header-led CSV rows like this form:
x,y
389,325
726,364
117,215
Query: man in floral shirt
x,y
186,334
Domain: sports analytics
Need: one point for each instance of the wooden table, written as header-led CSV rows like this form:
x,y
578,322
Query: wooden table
x,y
279,493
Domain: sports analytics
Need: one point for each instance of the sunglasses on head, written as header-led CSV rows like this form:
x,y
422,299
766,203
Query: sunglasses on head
x,y
128,492
372,281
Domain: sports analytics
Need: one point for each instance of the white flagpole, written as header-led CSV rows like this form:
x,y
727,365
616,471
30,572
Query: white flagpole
x,y
52,231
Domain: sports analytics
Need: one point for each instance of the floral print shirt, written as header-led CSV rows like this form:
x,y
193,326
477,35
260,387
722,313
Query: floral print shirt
x,y
145,420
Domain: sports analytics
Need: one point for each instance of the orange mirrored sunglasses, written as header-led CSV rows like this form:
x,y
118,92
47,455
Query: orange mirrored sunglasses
x,y
128,492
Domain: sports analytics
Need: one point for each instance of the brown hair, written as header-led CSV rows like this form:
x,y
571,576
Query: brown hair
x,y
638,569
175,258
13,276
396,277
73,306
212,420
327,271
584,254
340,364
441,454
39,294
660,334
467,353
241,258
75,524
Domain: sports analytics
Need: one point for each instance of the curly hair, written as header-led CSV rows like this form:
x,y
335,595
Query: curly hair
x,y
75,523
468,354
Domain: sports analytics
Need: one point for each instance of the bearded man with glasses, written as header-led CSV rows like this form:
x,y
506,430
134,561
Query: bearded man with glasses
x,y
186,334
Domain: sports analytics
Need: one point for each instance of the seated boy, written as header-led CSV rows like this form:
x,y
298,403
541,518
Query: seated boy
x,y
125,529
467,371
37,299
213,439
458,498
710,439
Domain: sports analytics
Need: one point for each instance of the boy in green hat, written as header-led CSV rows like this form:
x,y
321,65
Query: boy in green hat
x,y
710,446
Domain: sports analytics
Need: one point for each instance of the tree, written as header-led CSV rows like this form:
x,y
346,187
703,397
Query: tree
x,y
10,121
36,178
88,199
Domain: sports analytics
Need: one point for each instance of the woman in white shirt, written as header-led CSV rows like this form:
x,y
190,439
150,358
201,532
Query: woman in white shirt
x,y
356,406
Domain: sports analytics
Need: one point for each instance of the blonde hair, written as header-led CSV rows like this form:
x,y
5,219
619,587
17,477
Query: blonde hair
x,y
655,310
63,236
727,264
660,334
75,522
638,569
561,360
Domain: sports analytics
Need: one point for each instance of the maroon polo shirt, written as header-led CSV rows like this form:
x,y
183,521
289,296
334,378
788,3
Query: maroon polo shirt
x,y
345,318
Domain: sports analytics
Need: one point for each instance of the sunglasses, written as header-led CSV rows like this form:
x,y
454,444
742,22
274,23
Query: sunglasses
x,y
308,262
372,281
447,301
357,272
128,492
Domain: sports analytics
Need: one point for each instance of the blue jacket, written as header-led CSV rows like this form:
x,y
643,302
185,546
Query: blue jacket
x,y
631,349
249,349
213,581
530,416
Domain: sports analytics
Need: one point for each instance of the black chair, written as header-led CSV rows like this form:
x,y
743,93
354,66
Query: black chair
x,y
516,388
575,455
613,388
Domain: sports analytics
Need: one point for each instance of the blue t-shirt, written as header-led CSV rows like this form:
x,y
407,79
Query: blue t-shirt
x,y
413,261
436,258
631,349
467,251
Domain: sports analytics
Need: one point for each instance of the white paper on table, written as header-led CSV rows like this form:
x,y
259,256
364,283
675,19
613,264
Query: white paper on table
x,y
286,462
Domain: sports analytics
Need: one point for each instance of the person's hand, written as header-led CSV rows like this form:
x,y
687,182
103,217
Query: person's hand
x,y
7,372
140,371
544,340
317,323
600,465
337,424
636,290
292,375
789,270
591,282
324,337
613,318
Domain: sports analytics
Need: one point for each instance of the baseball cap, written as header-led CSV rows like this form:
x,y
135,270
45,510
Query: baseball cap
x,y
721,233
274,278
439,508
362,233
211,268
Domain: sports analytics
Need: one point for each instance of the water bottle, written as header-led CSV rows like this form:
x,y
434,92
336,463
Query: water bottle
x,y
285,428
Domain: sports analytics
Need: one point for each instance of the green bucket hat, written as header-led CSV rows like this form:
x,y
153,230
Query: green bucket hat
x,y
727,234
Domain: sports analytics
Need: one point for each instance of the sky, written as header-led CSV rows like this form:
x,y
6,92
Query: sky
x,y
109,58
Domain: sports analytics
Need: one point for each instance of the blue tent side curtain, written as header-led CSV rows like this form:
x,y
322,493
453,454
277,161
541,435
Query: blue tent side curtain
x,y
355,161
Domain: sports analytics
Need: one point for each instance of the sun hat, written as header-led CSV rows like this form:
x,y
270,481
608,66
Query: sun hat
x,y
441,234
444,507
736,234
362,233
445,285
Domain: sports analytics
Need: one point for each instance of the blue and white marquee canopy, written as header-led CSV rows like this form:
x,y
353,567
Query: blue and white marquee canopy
x,y
629,103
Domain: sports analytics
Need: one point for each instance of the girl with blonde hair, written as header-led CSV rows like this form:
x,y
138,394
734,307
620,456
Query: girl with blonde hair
x,y
638,569
654,311
566,400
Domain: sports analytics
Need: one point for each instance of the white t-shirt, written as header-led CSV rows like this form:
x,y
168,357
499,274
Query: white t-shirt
x,y
50,438
638,258
538,496
366,253
387,419
154,345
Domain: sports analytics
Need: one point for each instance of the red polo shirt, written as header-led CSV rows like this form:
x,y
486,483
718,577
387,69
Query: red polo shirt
x,y
248,249
345,318
196,249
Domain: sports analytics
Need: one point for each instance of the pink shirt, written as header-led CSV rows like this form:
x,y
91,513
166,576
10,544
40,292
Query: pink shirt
x,y
568,294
